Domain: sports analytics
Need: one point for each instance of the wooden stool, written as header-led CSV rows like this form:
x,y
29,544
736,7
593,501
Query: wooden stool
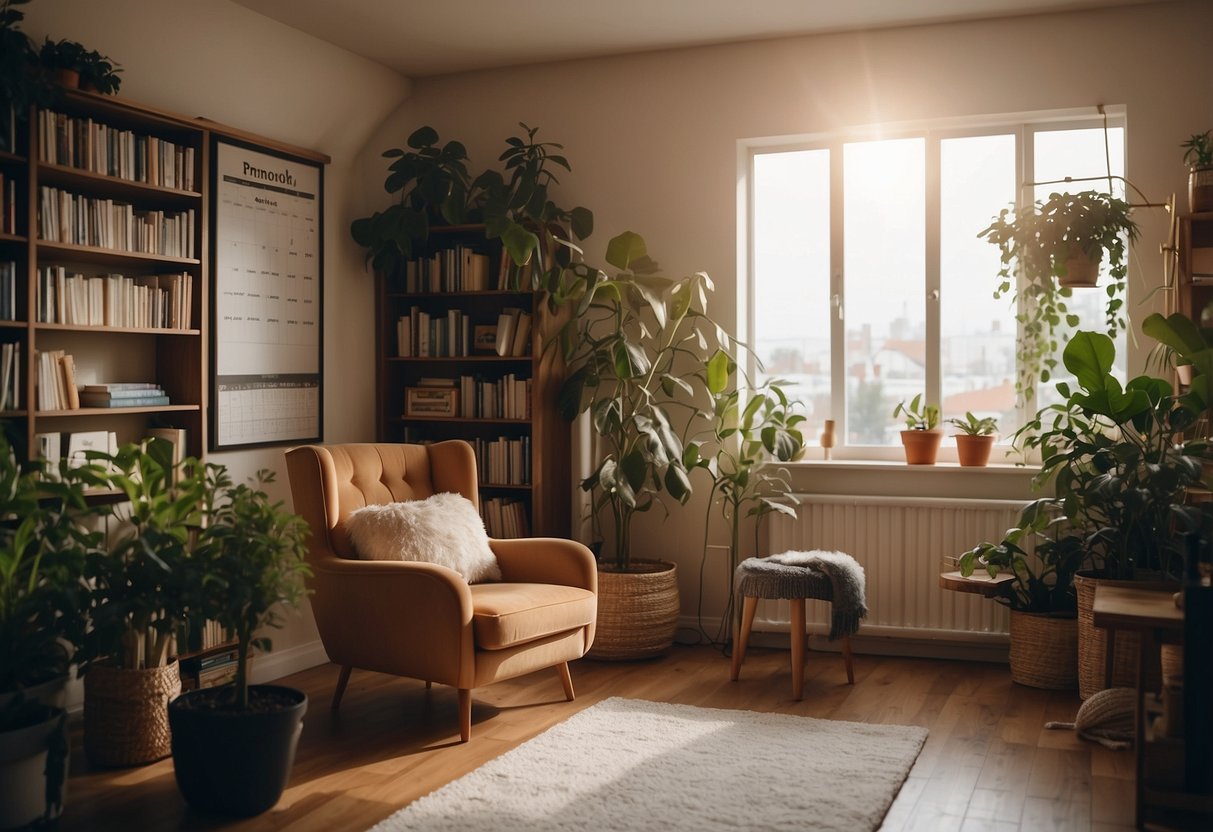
x,y
760,578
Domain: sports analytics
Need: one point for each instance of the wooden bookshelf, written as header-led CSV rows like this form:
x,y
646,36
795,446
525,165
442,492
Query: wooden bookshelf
x,y
545,493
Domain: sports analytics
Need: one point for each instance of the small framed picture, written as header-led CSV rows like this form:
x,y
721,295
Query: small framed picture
x,y
484,338
438,402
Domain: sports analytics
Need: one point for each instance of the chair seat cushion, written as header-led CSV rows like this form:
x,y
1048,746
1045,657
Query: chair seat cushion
x,y
504,615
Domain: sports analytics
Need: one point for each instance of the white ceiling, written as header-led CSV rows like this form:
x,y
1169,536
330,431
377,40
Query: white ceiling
x,y
420,38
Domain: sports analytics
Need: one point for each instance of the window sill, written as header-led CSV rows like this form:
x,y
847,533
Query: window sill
x,y
1025,472
887,478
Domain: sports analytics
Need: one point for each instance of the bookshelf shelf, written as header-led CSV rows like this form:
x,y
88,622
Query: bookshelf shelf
x,y
116,411
13,414
524,462
12,158
108,256
63,176
13,238
118,329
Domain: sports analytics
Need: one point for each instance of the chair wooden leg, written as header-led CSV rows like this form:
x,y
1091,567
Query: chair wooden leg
x,y
743,636
428,684
465,714
798,622
846,656
566,679
342,681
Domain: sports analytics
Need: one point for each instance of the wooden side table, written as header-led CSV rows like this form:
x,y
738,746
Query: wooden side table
x,y
1153,614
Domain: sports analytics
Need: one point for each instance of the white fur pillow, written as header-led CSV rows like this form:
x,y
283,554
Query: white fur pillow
x,y
444,529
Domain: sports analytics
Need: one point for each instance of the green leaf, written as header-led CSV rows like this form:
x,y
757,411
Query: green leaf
x,y
1089,356
582,222
718,369
423,137
624,249
519,242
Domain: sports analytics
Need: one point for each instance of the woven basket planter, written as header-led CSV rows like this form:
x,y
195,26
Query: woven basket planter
x,y
637,611
1093,641
1044,650
126,714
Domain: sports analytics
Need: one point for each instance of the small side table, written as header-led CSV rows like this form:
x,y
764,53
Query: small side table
x,y
979,582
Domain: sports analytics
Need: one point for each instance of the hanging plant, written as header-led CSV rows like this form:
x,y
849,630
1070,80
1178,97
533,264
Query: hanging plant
x,y
1045,246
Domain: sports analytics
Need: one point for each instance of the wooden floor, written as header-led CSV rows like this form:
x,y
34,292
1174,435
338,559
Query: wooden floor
x,y
988,764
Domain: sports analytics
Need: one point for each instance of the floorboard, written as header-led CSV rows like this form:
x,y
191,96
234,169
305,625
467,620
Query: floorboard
x,y
987,765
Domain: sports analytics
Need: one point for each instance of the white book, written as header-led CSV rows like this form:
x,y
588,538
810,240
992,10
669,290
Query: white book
x,y
81,442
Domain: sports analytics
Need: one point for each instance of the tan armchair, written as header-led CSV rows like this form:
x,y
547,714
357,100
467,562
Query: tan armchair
x,y
421,620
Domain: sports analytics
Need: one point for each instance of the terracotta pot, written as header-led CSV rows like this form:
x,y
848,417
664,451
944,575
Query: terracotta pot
x,y
637,611
1081,270
973,451
1200,189
922,446
67,78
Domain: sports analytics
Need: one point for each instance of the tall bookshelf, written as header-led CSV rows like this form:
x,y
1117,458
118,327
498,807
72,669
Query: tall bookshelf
x,y
62,162
463,297
1195,263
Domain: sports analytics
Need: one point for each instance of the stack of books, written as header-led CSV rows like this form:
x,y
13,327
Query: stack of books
x,y
123,394
210,671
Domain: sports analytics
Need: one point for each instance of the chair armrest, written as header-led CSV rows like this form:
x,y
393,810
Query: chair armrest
x,y
546,560
409,619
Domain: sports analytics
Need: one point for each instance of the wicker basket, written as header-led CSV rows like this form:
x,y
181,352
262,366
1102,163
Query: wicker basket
x,y
1093,641
1044,650
637,611
126,714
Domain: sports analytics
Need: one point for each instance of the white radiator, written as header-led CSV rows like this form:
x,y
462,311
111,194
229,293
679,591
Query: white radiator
x,y
903,544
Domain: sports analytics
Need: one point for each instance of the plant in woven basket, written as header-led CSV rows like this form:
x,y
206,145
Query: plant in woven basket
x,y
1119,463
635,347
1040,247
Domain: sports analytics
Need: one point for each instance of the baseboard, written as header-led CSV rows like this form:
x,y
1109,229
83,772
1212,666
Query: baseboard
x,y
278,663
874,641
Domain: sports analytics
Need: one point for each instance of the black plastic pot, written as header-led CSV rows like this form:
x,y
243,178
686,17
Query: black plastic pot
x,y
235,762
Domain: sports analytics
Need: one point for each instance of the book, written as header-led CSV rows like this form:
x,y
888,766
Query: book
x,y
80,443
175,437
70,393
94,400
109,387
522,335
125,392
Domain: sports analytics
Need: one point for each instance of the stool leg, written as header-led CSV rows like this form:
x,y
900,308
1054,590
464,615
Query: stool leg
x,y
798,618
748,609
846,656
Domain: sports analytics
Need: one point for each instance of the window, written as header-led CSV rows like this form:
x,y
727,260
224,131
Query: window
x,y
868,283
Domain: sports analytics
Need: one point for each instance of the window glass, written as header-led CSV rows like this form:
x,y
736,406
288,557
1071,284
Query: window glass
x,y
884,271
792,275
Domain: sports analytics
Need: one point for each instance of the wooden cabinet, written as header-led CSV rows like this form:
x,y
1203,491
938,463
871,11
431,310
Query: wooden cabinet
x,y
109,258
460,356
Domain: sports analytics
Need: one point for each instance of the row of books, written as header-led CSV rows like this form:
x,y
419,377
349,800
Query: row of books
x,y
507,397
99,148
503,461
8,204
64,217
151,302
57,388
8,291
210,671
458,269
504,517
420,335
73,448
513,332
10,375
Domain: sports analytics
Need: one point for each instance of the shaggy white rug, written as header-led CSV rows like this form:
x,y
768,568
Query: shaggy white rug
x,y
626,764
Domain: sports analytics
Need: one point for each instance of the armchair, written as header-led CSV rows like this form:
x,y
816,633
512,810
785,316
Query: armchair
x,y
422,620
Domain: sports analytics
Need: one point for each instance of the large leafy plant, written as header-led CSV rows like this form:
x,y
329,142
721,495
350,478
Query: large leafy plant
x,y
148,586
1036,245
1119,463
252,560
21,84
45,546
635,347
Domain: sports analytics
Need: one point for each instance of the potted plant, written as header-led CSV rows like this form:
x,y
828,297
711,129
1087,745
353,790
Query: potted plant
x,y
1042,553
44,548
99,74
1198,156
632,346
920,438
63,59
1112,454
518,211
21,85
750,430
144,591
1046,249
233,746
975,439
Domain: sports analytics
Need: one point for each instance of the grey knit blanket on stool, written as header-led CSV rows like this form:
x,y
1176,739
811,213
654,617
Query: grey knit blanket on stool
x,y
771,577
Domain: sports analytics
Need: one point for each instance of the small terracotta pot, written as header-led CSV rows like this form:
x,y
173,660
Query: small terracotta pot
x,y
922,446
67,78
1081,270
1200,189
973,451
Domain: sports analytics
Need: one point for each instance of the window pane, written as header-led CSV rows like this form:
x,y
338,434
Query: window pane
x,y
977,350
883,250
792,275
1078,154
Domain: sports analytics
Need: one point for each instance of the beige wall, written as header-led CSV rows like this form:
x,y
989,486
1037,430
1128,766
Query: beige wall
x,y
653,139
226,63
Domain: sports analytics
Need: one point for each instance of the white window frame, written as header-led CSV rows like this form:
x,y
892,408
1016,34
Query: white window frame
x,y
1023,125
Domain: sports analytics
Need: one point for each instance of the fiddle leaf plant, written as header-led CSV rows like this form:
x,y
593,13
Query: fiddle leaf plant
x,y
633,344
1036,246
